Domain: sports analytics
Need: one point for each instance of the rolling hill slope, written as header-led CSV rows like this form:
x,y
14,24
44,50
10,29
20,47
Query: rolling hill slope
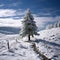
x,y
48,43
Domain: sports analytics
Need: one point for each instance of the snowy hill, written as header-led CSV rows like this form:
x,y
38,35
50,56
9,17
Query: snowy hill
x,y
19,50
51,35
49,43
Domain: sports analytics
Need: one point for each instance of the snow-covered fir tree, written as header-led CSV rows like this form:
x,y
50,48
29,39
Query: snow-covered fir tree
x,y
49,26
58,24
29,27
55,25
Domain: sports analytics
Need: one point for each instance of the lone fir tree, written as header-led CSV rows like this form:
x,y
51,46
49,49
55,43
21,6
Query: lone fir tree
x,y
29,27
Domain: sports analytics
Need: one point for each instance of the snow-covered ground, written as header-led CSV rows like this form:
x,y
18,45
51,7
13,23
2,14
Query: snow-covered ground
x,y
48,43
19,50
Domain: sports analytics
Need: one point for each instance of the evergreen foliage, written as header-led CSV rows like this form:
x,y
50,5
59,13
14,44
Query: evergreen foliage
x,y
29,27
55,25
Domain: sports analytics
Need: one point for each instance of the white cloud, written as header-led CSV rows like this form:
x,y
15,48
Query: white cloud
x,y
10,22
42,21
11,12
14,21
7,12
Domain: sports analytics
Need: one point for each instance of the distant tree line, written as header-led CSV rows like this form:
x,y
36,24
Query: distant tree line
x,y
55,25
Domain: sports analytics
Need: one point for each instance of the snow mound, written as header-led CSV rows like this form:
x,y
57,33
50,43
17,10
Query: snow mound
x,y
48,43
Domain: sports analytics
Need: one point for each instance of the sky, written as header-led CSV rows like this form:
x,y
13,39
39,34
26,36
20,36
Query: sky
x,y
44,12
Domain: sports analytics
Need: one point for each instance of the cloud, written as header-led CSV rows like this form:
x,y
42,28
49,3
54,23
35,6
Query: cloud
x,y
11,13
14,19
41,22
10,3
11,17
10,22
7,12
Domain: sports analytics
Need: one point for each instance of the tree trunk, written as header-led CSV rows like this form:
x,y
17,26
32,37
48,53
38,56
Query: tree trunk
x,y
29,37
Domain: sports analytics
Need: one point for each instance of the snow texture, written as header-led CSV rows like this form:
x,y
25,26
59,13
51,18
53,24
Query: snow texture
x,y
48,43
19,50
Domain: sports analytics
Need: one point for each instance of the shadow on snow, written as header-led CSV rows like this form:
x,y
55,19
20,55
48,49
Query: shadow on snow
x,y
47,42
